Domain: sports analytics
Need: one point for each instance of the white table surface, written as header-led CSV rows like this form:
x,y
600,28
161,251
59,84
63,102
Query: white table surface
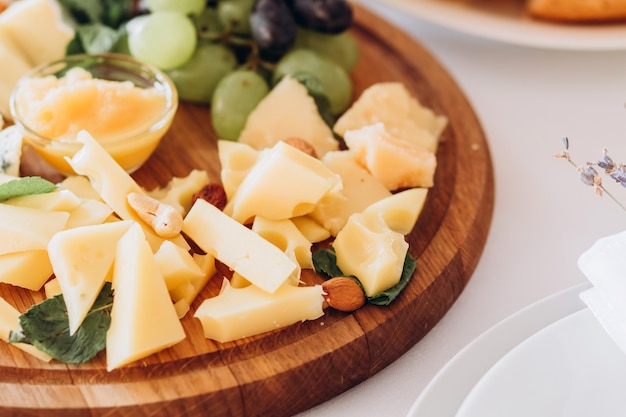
x,y
527,99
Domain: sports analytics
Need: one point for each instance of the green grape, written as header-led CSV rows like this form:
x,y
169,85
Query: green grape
x,y
164,39
236,95
334,79
342,48
196,79
180,6
235,14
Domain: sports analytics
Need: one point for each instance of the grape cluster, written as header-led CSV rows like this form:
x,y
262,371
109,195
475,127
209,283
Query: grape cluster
x,y
229,53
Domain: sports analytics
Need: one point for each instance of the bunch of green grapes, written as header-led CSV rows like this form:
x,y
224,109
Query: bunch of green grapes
x,y
229,53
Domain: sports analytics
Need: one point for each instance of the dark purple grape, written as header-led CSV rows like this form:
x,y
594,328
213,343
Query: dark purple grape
x,y
327,16
273,28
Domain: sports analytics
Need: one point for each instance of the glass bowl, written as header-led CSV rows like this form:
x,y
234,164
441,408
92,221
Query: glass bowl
x,y
134,127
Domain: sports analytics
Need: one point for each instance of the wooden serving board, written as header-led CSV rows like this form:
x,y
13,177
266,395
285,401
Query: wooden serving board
x,y
288,370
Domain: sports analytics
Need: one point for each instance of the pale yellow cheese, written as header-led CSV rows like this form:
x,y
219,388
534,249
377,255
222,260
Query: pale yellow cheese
x,y
52,288
369,250
29,269
360,189
9,321
29,228
82,259
401,210
311,229
14,66
89,212
238,247
285,236
284,183
112,183
179,191
395,163
237,281
58,200
402,114
80,186
241,312
143,319
236,159
287,111
37,29
177,266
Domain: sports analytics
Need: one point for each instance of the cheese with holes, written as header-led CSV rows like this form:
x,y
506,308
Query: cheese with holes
x,y
284,183
287,111
401,210
242,250
311,229
29,269
402,114
82,259
369,250
285,236
236,159
360,189
242,312
29,228
178,269
378,151
143,318
112,183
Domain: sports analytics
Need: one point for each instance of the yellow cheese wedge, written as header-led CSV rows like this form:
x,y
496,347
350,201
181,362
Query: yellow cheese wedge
x,y
29,228
80,186
52,287
179,191
177,266
311,229
360,189
285,236
404,117
284,183
14,66
59,200
377,150
143,318
236,159
82,259
112,183
89,212
401,210
37,29
241,312
238,247
369,250
9,321
29,269
287,111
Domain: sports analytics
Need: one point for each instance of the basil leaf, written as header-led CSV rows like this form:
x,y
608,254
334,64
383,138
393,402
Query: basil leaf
x,y
325,263
45,325
25,186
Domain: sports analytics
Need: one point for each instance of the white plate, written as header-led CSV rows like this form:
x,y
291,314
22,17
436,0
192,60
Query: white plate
x,y
505,20
571,368
446,392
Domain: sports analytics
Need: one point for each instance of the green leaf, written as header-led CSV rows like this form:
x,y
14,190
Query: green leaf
x,y
96,38
25,186
325,263
46,326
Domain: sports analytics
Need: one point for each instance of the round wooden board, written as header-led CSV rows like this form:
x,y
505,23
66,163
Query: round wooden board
x,y
288,370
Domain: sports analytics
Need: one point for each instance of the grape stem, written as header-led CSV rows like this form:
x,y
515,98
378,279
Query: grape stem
x,y
254,61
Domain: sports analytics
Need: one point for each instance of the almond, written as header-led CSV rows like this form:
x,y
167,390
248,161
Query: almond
x,y
301,145
213,193
343,294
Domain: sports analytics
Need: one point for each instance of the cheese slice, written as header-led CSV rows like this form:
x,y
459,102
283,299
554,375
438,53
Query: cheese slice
x,y
112,183
28,228
242,250
82,259
143,318
58,200
236,159
9,321
241,312
14,66
29,269
285,236
401,210
37,29
287,111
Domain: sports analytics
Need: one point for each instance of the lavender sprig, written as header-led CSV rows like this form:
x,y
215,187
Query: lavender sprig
x,y
589,175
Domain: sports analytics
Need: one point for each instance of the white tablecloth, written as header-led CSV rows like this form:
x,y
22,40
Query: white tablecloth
x,y
527,99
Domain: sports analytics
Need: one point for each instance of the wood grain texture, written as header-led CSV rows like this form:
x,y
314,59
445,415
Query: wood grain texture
x,y
288,370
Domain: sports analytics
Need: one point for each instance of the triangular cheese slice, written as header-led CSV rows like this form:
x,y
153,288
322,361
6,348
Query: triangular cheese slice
x,y
143,318
28,228
82,259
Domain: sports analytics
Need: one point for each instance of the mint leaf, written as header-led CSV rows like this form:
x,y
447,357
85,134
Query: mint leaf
x,y
96,38
45,325
325,263
25,186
